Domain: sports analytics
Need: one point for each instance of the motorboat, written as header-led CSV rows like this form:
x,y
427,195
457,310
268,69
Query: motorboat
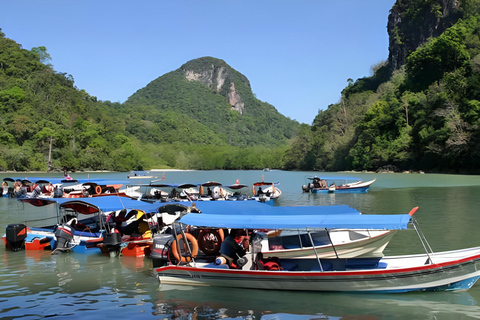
x,y
348,243
44,187
140,175
337,184
265,191
79,228
81,224
429,271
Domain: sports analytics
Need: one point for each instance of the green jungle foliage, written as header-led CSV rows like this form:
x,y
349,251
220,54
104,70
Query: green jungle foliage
x,y
426,116
423,116
181,125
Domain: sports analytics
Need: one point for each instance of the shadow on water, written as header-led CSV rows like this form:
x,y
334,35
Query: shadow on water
x,y
180,302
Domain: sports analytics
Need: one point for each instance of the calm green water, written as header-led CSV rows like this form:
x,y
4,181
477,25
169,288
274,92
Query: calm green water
x,y
35,285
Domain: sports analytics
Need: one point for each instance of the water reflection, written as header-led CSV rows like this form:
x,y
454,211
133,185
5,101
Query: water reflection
x,y
35,284
183,302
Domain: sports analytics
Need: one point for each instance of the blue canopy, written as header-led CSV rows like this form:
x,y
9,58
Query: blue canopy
x,y
298,221
252,207
53,180
104,204
103,182
335,178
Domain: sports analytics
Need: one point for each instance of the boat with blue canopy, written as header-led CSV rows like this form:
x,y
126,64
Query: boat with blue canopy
x,y
430,271
81,223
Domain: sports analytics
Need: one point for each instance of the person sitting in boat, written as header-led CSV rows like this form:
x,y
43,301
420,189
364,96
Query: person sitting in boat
x,y
67,176
48,189
316,182
35,192
260,191
174,194
18,190
234,248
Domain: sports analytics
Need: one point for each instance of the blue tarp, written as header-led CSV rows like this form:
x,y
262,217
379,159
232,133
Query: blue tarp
x,y
252,207
336,178
62,180
298,221
105,204
53,180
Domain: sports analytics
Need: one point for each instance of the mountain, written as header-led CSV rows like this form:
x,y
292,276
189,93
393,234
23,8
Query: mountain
x,y
420,110
412,23
208,102
201,116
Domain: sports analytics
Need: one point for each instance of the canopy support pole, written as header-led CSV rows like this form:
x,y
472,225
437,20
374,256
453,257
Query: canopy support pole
x,y
300,238
187,245
333,246
424,241
315,250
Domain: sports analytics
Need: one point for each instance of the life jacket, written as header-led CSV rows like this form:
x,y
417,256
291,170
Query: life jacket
x,y
272,263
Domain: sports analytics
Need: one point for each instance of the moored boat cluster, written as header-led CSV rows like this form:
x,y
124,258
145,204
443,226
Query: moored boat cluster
x,y
214,234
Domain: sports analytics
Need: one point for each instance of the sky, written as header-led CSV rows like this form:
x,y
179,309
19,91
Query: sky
x,y
297,54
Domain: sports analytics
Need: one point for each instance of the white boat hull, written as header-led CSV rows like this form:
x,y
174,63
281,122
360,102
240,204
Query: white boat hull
x,y
451,271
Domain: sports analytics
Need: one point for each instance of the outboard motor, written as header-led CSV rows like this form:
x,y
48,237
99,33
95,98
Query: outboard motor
x,y
58,192
113,242
306,188
64,235
160,249
15,236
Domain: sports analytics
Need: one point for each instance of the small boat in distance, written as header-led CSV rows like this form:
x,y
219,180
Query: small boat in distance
x,y
336,184
267,190
140,175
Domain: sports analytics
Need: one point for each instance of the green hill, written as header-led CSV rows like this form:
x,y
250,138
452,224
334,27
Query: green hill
x,y
206,101
419,110
176,121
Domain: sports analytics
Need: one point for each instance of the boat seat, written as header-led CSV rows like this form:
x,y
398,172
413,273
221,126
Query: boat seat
x,y
364,263
327,266
289,265
31,237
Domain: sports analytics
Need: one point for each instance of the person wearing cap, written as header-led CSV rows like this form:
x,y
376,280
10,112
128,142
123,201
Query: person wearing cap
x,y
234,248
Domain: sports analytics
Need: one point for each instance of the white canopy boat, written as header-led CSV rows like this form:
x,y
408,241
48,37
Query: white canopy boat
x,y
450,271
337,184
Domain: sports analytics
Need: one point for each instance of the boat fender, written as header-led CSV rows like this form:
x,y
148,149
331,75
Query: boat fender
x,y
98,190
193,247
220,260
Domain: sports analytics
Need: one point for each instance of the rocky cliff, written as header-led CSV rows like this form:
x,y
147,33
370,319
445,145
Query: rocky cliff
x,y
216,74
411,23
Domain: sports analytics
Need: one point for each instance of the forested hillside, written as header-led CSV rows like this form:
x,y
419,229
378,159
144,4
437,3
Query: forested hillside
x,y
419,110
191,105
421,114
173,122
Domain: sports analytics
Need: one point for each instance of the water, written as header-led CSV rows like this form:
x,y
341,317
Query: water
x,y
37,285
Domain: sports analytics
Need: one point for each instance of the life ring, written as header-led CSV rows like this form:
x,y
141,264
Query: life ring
x,y
210,240
98,190
193,247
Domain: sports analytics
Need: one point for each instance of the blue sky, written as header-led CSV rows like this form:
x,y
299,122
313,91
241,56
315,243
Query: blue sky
x,y
297,54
